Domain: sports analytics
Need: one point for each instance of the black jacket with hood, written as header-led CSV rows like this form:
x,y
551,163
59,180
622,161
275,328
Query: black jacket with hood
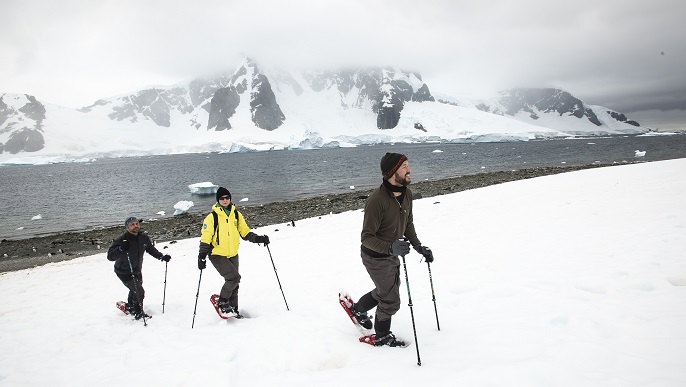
x,y
138,245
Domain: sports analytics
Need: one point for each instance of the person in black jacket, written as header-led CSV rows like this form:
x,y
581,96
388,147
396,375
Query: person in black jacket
x,y
127,253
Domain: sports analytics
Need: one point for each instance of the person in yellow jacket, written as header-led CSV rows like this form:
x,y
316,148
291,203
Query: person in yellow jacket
x,y
219,240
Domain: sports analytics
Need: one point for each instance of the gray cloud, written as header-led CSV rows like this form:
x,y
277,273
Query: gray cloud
x,y
606,53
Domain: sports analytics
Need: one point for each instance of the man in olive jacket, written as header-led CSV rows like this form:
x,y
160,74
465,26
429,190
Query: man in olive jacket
x,y
127,253
386,229
221,244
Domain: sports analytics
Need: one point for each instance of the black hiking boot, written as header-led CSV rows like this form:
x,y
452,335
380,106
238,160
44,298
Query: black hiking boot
x,y
130,309
388,339
361,317
227,309
136,311
140,315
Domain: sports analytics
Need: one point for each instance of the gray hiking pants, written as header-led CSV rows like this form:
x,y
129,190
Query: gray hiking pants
x,y
228,268
385,273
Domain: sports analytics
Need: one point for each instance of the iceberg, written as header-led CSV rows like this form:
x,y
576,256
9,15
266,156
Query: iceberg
x,y
182,207
205,188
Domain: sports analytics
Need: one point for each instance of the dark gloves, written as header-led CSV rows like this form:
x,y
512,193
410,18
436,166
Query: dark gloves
x,y
202,261
254,238
426,252
262,239
399,247
165,258
124,245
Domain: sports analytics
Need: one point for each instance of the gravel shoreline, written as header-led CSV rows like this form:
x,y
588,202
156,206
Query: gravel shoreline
x,y
32,252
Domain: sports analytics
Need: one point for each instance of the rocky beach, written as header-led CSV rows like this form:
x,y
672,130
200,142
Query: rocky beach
x,y
26,253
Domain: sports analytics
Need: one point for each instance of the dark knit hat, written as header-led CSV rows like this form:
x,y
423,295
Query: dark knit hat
x,y
221,191
129,220
390,163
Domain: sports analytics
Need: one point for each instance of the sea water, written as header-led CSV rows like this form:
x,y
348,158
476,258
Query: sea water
x,y
79,196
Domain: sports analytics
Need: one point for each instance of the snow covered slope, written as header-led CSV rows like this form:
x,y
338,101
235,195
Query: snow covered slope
x,y
575,279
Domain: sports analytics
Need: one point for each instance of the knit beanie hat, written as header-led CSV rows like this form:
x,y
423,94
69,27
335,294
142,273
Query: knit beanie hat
x,y
129,220
390,163
223,192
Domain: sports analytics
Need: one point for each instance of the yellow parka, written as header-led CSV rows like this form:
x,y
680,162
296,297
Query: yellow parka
x,y
229,228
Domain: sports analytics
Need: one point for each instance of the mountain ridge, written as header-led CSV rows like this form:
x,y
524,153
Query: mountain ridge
x,y
255,108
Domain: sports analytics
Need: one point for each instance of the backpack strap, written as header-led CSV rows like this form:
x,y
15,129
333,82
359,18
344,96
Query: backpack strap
x,y
216,223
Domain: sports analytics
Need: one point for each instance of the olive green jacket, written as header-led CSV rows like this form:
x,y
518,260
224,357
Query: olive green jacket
x,y
386,220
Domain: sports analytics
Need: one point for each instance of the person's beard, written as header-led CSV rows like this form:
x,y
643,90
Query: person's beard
x,y
402,180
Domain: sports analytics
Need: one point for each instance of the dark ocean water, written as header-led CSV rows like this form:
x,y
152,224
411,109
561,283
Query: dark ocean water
x,y
78,196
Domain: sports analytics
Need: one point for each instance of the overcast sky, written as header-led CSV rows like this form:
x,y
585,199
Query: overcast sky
x,y
623,54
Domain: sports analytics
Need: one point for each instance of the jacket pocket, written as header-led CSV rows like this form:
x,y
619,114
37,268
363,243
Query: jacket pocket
x,y
119,265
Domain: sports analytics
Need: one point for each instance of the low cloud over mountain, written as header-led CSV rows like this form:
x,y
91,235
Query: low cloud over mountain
x,y
256,108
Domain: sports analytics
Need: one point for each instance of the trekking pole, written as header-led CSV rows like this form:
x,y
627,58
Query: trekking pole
x,y
196,299
164,294
409,297
433,295
277,277
135,289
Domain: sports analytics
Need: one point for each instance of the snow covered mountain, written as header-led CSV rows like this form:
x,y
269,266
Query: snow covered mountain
x,y
21,124
258,108
555,109
383,91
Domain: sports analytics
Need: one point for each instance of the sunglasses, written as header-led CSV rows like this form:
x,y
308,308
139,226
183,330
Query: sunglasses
x,y
224,198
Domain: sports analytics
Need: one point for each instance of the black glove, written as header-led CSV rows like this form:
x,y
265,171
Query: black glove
x,y
399,247
262,239
165,258
426,252
124,244
202,261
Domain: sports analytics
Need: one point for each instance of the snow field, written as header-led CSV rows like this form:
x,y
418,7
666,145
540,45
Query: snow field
x,y
565,280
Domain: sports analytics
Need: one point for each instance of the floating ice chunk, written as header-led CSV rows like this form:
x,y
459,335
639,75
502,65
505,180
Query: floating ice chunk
x,y
37,217
205,188
182,207
161,213
437,151
244,200
638,153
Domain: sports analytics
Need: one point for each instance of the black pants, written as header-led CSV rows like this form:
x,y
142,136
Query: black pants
x,y
136,291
